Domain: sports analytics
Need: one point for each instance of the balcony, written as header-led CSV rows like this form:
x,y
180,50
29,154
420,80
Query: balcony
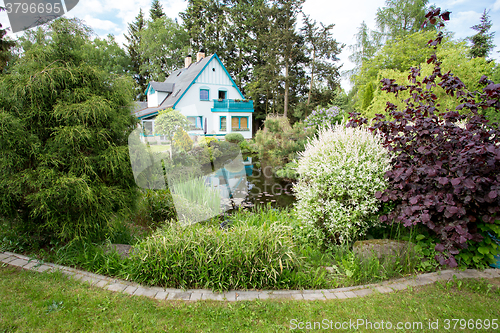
x,y
232,105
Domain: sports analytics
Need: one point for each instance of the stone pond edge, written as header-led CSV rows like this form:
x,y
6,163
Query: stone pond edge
x,y
132,288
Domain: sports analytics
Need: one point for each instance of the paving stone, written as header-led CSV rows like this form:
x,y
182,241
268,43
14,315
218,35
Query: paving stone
x,y
196,296
3,256
350,294
383,289
102,284
18,262
212,296
161,295
363,292
116,287
42,268
8,259
230,296
148,292
329,295
247,295
285,292
340,295
314,297
311,291
179,296
493,272
31,264
263,295
78,276
398,286
130,290
341,289
89,280
286,296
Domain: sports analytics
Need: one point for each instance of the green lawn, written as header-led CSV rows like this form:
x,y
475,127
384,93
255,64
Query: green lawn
x,y
159,148
35,302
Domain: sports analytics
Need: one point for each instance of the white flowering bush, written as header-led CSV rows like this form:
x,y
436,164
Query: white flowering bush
x,y
339,173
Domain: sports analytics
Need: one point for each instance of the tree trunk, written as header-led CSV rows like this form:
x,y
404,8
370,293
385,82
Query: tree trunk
x,y
312,78
286,89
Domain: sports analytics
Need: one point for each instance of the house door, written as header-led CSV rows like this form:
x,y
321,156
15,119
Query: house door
x,y
222,94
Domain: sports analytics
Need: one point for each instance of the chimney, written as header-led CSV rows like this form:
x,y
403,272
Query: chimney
x,y
200,55
187,61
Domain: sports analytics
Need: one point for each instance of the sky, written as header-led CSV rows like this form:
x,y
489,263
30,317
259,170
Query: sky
x,y
112,17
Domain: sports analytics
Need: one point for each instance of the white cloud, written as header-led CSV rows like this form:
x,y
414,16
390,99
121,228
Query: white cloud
x,y
496,5
96,23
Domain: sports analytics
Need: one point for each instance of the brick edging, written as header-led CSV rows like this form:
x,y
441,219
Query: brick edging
x,y
132,288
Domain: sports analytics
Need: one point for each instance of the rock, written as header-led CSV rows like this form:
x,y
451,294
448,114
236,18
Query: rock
x,y
383,248
122,249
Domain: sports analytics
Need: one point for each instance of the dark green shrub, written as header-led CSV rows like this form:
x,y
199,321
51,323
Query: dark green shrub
x,y
63,135
234,137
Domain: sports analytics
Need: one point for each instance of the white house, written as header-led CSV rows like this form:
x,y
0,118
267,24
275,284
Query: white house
x,y
205,93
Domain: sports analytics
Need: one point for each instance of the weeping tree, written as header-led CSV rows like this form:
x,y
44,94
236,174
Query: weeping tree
x,y
64,127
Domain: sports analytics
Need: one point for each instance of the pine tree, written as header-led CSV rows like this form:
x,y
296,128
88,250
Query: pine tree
x,y
482,42
402,17
134,42
156,10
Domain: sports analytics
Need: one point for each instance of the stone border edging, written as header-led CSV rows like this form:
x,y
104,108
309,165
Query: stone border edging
x,y
132,288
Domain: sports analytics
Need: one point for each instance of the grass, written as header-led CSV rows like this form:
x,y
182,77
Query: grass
x,y
35,302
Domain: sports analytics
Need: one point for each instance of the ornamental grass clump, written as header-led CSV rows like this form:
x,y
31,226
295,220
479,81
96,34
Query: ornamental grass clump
x,y
339,174
206,256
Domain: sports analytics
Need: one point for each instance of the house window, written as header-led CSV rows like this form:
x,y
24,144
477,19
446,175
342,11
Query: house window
x,y
204,95
222,94
223,123
196,122
148,127
239,123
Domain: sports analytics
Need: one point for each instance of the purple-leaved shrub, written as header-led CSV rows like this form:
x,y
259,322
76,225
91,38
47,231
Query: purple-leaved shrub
x,y
444,175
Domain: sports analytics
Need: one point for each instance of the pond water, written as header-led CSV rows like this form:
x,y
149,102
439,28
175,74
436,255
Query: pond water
x,y
263,187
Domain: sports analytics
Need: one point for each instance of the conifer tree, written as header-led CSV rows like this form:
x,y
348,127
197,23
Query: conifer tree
x,y
64,128
482,42
133,47
156,10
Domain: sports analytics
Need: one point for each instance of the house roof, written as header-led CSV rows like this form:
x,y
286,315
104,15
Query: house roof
x,y
161,86
178,82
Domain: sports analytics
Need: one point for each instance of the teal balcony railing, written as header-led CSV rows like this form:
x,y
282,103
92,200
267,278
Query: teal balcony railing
x,y
232,104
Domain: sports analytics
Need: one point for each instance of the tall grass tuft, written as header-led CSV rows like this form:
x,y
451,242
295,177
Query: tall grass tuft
x,y
203,256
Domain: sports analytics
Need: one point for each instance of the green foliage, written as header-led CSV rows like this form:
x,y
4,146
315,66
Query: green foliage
x,y
163,43
207,140
234,137
5,46
455,59
481,254
183,141
289,171
203,256
339,174
482,42
402,17
134,40
169,121
368,96
154,208
350,269
279,143
64,130
156,10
